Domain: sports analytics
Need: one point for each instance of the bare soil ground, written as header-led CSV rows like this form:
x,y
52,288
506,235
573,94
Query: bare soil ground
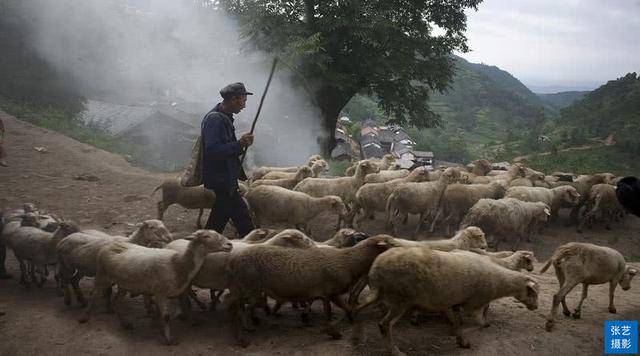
x,y
37,322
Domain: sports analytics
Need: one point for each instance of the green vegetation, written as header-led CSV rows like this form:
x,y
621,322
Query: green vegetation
x,y
337,168
62,120
349,47
588,161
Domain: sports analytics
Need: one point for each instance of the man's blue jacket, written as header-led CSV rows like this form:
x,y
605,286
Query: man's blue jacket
x,y
220,161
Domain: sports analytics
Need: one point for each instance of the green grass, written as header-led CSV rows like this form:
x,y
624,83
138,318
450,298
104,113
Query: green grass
x,y
337,168
62,120
632,258
598,159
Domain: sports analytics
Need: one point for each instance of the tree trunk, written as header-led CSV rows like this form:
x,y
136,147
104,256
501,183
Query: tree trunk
x,y
331,101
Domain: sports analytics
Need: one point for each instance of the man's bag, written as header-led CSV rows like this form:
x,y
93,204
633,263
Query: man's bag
x,y
192,176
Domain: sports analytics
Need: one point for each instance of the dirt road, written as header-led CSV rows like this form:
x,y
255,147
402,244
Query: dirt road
x,y
37,322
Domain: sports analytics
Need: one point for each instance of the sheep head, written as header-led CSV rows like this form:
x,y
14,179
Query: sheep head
x,y
212,240
473,237
259,235
291,238
64,229
346,238
154,233
382,241
528,295
525,260
420,174
337,205
367,167
312,159
303,172
30,219
627,276
570,195
28,207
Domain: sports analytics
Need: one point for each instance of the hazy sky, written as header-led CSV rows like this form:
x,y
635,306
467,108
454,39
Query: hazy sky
x,y
557,43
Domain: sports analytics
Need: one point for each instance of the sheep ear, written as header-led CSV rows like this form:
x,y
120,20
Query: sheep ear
x,y
633,271
547,211
382,243
190,237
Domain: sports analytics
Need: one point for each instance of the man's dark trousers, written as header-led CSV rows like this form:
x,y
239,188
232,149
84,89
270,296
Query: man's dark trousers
x,y
229,205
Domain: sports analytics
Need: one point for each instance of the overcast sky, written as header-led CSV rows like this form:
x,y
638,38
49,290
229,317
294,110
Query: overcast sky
x,y
558,44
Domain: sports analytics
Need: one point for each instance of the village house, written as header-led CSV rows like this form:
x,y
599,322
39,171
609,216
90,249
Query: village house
x,y
161,135
376,141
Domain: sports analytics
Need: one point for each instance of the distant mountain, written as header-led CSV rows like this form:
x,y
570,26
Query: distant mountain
x,y
551,89
557,101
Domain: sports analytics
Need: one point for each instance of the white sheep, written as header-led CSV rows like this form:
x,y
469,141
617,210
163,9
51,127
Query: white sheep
x,y
277,204
506,217
556,198
316,168
386,163
161,273
583,185
288,183
603,205
188,197
469,238
459,198
585,263
403,278
418,198
299,275
385,176
372,197
514,171
261,171
344,187
77,253
38,248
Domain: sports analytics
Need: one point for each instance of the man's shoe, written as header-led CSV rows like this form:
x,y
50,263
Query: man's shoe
x,y
5,275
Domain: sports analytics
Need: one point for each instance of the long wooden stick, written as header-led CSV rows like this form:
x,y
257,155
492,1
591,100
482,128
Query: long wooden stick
x,y
255,120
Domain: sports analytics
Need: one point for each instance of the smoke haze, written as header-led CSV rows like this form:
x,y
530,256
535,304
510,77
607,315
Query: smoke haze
x,y
139,52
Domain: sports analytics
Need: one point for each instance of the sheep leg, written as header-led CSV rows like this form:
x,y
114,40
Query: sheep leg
x,y
612,289
32,274
199,223
357,333
161,209
117,306
420,222
99,289
150,306
356,290
236,306
75,283
576,313
215,298
560,275
386,328
435,220
23,272
456,318
564,290
65,284
165,318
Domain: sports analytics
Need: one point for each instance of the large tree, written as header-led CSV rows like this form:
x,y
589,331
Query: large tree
x,y
400,50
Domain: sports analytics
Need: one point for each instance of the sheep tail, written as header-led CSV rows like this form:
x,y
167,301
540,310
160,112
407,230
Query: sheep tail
x,y
546,266
155,190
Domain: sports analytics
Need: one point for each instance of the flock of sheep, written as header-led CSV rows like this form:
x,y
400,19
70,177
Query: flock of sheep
x,y
403,275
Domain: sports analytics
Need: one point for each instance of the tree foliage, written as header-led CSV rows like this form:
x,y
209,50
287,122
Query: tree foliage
x,y
344,47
